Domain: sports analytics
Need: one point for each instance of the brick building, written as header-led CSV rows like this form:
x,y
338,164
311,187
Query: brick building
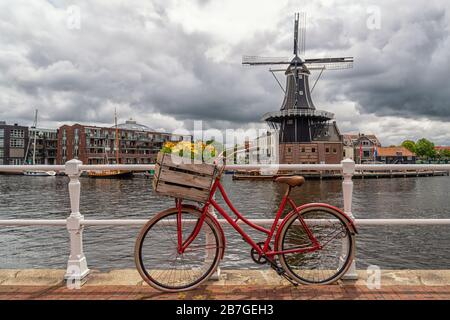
x,y
138,144
326,148
13,143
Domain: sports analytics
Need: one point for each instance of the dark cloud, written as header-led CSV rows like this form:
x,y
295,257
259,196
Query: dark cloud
x,y
138,57
401,69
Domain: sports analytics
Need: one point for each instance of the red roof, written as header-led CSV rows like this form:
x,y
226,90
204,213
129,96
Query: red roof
x,y
442,148
394,152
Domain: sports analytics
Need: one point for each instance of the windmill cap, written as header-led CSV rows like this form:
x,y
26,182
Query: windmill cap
x,y
297,60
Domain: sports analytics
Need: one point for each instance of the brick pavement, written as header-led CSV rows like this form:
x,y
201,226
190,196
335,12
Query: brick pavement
x,y
126,292
126,284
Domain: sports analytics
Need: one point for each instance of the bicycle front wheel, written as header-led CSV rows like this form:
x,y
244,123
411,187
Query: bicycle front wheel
x,y
321,266
157,258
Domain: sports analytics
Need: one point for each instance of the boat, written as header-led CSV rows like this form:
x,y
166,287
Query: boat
x,y
36,173
111,173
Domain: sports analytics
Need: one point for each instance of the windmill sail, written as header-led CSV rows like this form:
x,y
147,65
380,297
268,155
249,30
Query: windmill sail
x,y
257,60
329,63
296,34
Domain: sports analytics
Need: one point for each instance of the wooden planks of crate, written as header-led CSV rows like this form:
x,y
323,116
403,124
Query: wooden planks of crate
x,y
182,180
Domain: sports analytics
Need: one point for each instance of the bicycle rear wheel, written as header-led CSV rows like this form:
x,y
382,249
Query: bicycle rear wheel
x,y
322,266
157,258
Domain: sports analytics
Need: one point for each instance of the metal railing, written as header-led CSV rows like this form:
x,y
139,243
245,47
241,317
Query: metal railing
x,y
77,267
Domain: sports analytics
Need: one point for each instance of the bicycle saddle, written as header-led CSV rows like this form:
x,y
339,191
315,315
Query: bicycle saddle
x,y
293,181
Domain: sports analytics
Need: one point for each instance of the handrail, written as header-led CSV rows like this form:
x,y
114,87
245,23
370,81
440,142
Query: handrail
x,y
306,167
77,265
263,222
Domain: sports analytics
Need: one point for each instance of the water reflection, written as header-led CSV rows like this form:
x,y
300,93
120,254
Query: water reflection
x,y
112,247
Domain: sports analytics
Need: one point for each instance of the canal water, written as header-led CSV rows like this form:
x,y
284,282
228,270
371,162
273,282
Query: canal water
x,y
389,247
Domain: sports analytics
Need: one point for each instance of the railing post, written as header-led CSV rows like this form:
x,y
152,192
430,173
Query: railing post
x,y
77,268
348,170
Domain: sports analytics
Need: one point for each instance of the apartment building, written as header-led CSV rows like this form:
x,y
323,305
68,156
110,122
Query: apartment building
x,y
13,143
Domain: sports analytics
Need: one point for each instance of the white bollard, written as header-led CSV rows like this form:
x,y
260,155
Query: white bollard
x,y
348,170
77,268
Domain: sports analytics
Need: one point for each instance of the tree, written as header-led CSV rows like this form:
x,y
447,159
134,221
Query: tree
x,y
410,145
445,153
425,148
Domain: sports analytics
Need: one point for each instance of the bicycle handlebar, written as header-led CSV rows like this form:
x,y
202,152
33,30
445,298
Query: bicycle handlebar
x,y
220,156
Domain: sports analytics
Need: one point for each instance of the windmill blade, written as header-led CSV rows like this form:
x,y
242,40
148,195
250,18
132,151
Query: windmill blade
x,y
302,38
278,70
256,60
296,33
329,63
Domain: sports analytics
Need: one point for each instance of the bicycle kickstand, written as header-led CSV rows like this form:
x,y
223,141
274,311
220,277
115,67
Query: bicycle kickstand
x,y
280,271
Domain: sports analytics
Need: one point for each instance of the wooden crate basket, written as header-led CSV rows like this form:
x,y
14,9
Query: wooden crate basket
x,y
184,181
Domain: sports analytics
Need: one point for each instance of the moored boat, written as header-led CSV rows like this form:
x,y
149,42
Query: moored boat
x,y
37,173
110,174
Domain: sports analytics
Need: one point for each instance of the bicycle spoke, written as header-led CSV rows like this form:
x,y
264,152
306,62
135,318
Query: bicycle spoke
x,y
164,265
322,265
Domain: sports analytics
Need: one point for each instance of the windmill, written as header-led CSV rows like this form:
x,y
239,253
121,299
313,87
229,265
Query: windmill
x,y
298,120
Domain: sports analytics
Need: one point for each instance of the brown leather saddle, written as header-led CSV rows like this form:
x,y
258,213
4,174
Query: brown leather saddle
x,y
292,181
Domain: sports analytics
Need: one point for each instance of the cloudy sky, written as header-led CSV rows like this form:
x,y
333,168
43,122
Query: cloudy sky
x,y
167,63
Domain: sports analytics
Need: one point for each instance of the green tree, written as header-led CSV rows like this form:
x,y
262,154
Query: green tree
x,y
410,145
425,148
445,153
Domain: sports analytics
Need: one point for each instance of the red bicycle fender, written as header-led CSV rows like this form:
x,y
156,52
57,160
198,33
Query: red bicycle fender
x,y
350,222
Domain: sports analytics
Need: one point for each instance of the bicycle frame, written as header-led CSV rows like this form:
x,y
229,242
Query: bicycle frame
x,y
265,251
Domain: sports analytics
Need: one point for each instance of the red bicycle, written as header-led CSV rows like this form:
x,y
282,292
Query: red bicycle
x,y
181,247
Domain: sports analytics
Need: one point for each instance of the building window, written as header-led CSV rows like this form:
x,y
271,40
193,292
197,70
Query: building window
x,y
303,149
2,143
290,121
327,150
15,162
2,154
2,133
334,150
313,150
289,150
17,133
17,143
366,154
